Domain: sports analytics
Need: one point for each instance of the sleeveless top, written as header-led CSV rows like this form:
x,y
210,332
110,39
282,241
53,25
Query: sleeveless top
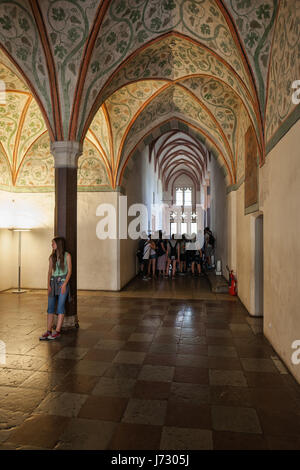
x,y
58,271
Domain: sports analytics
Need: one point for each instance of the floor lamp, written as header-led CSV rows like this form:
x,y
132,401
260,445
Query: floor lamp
x,y
20,230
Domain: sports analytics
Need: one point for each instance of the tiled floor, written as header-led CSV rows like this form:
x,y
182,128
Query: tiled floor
x,y
144,372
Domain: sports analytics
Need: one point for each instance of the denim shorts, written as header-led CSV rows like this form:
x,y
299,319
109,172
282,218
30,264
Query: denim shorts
x,y
61,300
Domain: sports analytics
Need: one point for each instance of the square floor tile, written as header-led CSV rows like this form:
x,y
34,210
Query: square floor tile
x,y
192,360
103,408
156,373
77,383
14,377
86,434
129,371
62,404
190,393
195,375
227,363
134,437
238,441
223,351
100,355
281,423
187,415
93,368
175,438
160,359
129,357
71,353
258,365
144,337
39,431
114,387
152,390
218,332
109,344
231,396
44,380
236,419
233,378
145,412
21,399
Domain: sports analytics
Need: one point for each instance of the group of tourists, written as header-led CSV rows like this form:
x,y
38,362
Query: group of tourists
x,y
165,258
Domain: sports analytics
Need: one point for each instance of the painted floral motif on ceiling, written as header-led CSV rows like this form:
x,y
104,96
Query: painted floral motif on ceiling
x,y
8,74
129,24
37,169
243,126
123,105
255,23
284,69
175,102
221,102
91,170
20,37
26,163
174,58
68,23
36,172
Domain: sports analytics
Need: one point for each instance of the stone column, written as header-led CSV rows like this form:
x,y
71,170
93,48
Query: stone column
x,y
66,154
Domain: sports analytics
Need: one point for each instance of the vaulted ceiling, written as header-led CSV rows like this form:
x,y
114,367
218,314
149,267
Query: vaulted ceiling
x,y
108,73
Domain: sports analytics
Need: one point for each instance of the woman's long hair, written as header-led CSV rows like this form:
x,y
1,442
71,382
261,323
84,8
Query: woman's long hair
x,y
59,253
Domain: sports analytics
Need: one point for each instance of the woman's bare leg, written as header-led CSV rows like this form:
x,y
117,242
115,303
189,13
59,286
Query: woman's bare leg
x,y
50,321
59,322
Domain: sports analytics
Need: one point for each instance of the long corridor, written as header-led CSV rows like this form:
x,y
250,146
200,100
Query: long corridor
x,y
144,372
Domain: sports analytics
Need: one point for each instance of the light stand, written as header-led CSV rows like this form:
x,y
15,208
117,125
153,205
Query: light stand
x,y
20,230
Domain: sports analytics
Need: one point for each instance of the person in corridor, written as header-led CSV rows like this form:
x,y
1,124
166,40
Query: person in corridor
x,y
59,273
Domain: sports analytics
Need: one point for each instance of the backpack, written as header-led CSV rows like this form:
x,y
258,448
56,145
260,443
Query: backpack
x,y
160,251
173,249
211,240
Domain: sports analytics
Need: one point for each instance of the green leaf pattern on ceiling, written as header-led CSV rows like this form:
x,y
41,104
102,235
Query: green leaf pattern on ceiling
x,y
284,67
91,170
173,102
243,125
255,24
5,172
37,170
68,23
9,77
10,116
100,133
221,101
33,127
20,37
129,24
173,58
125,103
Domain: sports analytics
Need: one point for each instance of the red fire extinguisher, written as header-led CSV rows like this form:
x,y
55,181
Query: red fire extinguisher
x,y
232,284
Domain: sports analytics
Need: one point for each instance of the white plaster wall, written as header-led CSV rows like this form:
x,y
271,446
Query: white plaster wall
x,y
98,265
244,251
232,231
280,202
6,264
218,213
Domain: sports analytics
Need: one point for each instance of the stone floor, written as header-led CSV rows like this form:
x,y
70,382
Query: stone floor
x,y
147,369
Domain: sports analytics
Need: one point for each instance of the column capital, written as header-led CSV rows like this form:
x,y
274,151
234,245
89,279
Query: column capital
x,y
66,153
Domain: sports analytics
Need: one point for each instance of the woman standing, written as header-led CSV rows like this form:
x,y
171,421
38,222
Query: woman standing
x,y
59,273
162,255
